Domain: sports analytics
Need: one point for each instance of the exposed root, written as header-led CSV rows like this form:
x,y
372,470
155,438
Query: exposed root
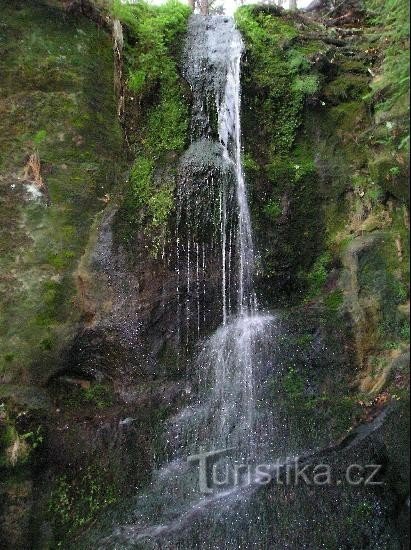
x,y
32,173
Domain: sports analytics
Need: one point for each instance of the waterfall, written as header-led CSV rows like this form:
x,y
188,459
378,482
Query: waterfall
x,y
213,210
213,182
229,132
214,249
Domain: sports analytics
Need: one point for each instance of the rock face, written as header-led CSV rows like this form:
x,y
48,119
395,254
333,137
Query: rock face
x,y
331,234
92,361
60,150
87,340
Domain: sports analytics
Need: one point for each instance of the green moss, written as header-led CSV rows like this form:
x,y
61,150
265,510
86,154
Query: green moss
x,y
249,164
389,175
97,396
167,124
76,501
327,414
278,79
390,90
334,300
318,274
273,209
278,70
348,116
39,137
141,179
152,64
306,84
380,278
293,385
346,87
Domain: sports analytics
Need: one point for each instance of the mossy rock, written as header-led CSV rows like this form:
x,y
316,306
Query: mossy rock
x,y
391,176
52,105
346,87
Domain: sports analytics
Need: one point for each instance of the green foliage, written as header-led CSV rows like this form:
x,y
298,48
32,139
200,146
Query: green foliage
x,y
334,300
297,60
360,513
405,331
278,70
365,187
318,274
278,78
157,33
307,84
74,503
307,410
167,124
293,384
24,444
273,209
385,278
156,30
34,438
39,137
149,199
160,205
141,176
97,396
346,87
391,88
249,164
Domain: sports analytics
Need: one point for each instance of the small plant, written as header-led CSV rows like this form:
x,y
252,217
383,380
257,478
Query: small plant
x,y
35,438
74,503
318,274
405,331
334,300
273,209
39,137
98,395
293,384
306,85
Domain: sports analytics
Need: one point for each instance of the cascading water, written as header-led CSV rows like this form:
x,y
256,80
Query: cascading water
x,y
225,366
213,229
213,214
229,132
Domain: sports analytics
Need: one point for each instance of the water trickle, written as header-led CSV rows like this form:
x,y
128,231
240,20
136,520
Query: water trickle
x,y
212,190
229,131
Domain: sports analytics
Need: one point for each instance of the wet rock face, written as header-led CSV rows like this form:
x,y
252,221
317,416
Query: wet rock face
x,y
57,163
205,68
